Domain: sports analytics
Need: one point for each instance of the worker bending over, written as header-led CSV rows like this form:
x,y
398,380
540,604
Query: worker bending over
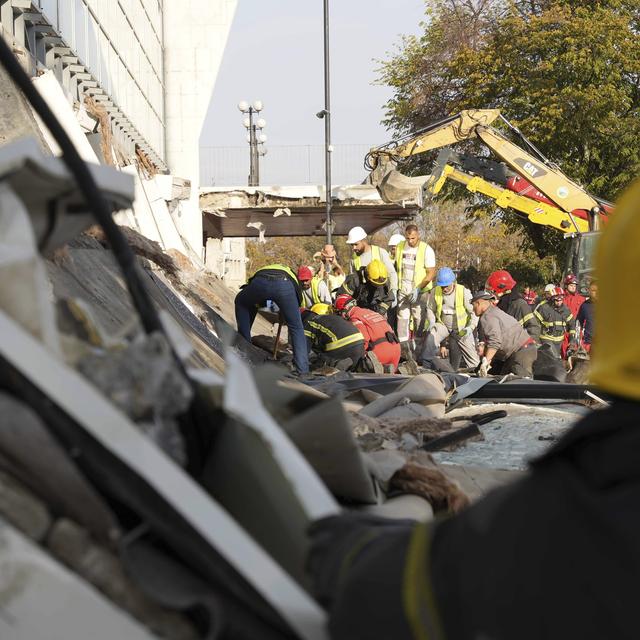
x,y
511,301
335,340
556,320
449,315
553,555
501,337
370,287
314,289
379,337
278,283
416,267
364,253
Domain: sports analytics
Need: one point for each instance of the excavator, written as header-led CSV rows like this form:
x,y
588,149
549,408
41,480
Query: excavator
x,y
522,179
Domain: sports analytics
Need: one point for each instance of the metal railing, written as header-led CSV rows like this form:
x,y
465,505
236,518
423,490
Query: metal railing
x,y
283,165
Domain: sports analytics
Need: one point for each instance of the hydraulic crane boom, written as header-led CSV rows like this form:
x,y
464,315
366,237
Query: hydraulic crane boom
x,y
475,123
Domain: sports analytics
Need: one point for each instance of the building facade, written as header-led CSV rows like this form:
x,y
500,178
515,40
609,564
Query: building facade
x,y
151,65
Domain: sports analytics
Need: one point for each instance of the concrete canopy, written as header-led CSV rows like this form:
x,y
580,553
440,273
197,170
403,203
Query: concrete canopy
x,y
296,211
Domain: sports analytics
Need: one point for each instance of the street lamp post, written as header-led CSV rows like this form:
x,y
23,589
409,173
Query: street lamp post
x,y
326,114
255,137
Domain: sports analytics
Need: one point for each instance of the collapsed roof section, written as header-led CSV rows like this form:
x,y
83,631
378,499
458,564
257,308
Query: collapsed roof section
x,y
297,211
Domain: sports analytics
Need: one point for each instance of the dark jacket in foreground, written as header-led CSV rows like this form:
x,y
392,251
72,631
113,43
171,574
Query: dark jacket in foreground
x,y
553,556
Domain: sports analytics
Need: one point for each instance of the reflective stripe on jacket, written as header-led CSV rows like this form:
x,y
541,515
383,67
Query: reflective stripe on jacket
x,y
420,271
555,322
328,333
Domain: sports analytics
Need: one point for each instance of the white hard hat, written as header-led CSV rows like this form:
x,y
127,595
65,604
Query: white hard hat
x,y
356,234
550,288
395,240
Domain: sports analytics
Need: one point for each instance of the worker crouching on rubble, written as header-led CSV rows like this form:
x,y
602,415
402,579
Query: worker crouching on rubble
x,y
554,555
379,338
335,340
278,283
502,337
449,315
370,287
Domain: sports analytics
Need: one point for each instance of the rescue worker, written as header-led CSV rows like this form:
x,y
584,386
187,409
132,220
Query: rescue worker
x,y
365,253
393,243
416,267
548,292
585,318
556,320
572,299
449,315
510,300
529,295
379,337
278,283
370,287
502,337
314,289
329,270
335,340
553,555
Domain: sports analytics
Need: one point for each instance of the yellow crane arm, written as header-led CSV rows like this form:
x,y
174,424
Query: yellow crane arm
x,y
475,123
551,181
537,212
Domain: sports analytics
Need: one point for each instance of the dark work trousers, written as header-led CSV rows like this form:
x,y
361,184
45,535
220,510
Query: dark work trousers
x,y
521,362
283,293
354,352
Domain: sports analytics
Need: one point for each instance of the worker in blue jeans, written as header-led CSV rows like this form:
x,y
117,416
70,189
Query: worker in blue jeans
x,y
280,284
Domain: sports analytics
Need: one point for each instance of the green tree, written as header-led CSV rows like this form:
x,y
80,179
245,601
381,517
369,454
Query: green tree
x,y
567,73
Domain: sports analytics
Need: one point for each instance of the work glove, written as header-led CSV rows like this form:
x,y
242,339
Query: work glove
x,y
483,368
415,295
336,542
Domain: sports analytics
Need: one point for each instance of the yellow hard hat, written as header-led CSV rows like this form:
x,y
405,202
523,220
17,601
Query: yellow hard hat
x,y
377,272
616,348
321,308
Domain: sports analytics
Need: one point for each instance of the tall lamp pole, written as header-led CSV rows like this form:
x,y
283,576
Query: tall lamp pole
x,y
255,138
326,114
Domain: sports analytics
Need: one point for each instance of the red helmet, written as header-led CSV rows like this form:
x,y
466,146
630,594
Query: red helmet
x,y
557,292
344,302
571,279
500,281
304,273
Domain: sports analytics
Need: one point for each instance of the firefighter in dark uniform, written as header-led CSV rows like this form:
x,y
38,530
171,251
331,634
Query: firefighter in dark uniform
x,y
335,340
369,286
554,555
556,321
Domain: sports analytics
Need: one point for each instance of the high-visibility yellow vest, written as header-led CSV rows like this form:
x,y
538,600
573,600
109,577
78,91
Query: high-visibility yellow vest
x,y
375,255
315,293
462,315
420,272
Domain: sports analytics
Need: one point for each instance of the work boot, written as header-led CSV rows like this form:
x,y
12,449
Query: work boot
x,y
406,356
372,364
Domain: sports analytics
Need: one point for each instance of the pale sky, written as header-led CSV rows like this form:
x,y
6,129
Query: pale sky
x,y
275,54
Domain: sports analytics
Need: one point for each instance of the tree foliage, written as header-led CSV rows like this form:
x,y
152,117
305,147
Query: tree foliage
x,y
566,72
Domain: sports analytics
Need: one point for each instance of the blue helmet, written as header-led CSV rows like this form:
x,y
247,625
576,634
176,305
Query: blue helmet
x,y
445,277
